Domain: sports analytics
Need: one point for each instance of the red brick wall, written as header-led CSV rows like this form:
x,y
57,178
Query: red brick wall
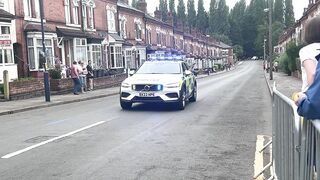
x,y
108,81
61,84
54,11
26,89
100,16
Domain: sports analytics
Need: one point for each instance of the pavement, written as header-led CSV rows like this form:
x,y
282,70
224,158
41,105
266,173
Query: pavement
x,y
285,84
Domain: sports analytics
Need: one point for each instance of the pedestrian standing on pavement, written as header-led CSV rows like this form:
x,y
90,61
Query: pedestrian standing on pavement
x,y
90,76
83,76
74,72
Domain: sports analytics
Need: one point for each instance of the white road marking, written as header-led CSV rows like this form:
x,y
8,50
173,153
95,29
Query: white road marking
x,y
258,161
50,140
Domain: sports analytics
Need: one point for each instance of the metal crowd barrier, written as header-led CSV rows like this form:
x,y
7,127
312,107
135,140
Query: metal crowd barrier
x,y
295,142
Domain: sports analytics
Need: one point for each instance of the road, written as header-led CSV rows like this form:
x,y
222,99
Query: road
x,y
213,138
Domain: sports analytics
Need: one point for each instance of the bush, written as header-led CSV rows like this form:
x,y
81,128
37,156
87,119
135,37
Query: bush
x,y
55,73
1,89
24,79
284,63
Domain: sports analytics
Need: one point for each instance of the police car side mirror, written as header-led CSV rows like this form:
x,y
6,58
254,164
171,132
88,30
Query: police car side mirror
x,y
187,72
131,72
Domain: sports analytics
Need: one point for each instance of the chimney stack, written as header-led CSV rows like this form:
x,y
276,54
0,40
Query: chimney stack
x,y
142,6
157,14
170,18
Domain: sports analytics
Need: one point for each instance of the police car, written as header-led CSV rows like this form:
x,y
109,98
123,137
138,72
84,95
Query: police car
x,y
159,82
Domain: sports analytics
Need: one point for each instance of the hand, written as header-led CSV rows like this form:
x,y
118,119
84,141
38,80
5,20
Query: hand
x,y
298,97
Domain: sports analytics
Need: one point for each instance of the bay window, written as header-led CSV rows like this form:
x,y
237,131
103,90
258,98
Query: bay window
x,y
80,49
116,56
94,54
34,50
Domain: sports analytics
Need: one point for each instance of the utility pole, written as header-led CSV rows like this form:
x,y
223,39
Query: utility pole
x,y
43,54
270,40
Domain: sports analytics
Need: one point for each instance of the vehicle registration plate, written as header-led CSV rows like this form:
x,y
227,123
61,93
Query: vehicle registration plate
x,y
146,94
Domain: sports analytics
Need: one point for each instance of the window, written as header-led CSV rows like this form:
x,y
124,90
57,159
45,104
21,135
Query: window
x,y
94,54
6,56
91,18
116,56
34,50
80,49
72,11
158,38
31,9
148,33
129,59
5,29
138,31
123,31
111,21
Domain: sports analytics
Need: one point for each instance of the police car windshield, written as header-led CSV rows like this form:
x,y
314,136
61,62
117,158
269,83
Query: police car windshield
x,y
159,68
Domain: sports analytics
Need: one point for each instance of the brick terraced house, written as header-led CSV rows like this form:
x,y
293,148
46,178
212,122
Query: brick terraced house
x,y
111,33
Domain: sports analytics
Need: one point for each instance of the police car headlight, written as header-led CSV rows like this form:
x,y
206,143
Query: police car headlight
x,y
172,85
125,85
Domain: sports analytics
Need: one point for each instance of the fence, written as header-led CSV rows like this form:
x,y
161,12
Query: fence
x,y
295,142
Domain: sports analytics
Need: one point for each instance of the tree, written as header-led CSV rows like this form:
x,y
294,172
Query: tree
x,y
221,20
134,3
289,14
163,7
201,17
278,13
212,17
191,18
236,18
181,11
172,10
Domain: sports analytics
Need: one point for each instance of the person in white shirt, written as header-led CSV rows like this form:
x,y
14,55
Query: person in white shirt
x,y
309,55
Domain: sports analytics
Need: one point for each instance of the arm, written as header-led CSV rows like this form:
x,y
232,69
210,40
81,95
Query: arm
x,y
310,67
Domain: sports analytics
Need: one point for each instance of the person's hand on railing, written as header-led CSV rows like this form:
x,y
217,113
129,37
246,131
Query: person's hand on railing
x,y
297,97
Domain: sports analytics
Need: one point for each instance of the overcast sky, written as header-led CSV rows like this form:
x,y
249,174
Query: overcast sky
x,y
298,5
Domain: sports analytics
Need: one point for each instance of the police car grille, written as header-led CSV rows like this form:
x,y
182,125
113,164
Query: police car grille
x,y
137,98
142,87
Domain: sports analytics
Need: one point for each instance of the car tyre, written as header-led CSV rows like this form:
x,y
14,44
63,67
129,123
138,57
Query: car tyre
x,y
125,105
194,95
182,100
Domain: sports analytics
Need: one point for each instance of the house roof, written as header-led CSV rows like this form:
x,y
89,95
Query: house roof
x,y
31,27
66,32
6,15
126,6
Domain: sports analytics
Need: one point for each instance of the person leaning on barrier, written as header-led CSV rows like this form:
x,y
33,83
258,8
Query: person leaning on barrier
x,y
308,56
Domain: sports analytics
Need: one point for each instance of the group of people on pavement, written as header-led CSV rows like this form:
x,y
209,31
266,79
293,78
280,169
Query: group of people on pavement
x,y
82,76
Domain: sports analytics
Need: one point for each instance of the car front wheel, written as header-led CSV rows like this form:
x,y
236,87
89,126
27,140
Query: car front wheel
x,y
125,105
182,100
194,95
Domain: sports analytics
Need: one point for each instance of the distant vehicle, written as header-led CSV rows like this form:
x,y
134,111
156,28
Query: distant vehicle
x,y
159,82
254,58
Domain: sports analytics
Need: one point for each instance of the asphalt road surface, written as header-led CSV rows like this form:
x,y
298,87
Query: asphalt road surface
x,y
213,138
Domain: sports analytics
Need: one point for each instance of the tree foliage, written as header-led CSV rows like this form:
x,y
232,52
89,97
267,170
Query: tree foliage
x,y
181,11
278,13
192,16
201,17
134,3
289,14
163,7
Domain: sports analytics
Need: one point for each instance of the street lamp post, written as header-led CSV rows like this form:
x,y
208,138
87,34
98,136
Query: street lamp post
x,y
46,74
270,40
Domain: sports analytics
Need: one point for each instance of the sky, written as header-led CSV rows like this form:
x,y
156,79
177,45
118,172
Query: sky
x,y
298,5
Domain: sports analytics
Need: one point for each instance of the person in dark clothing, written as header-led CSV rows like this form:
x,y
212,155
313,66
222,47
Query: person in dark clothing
x,y
90,76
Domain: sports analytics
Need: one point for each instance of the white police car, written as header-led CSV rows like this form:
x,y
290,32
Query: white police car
x,y
159,82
